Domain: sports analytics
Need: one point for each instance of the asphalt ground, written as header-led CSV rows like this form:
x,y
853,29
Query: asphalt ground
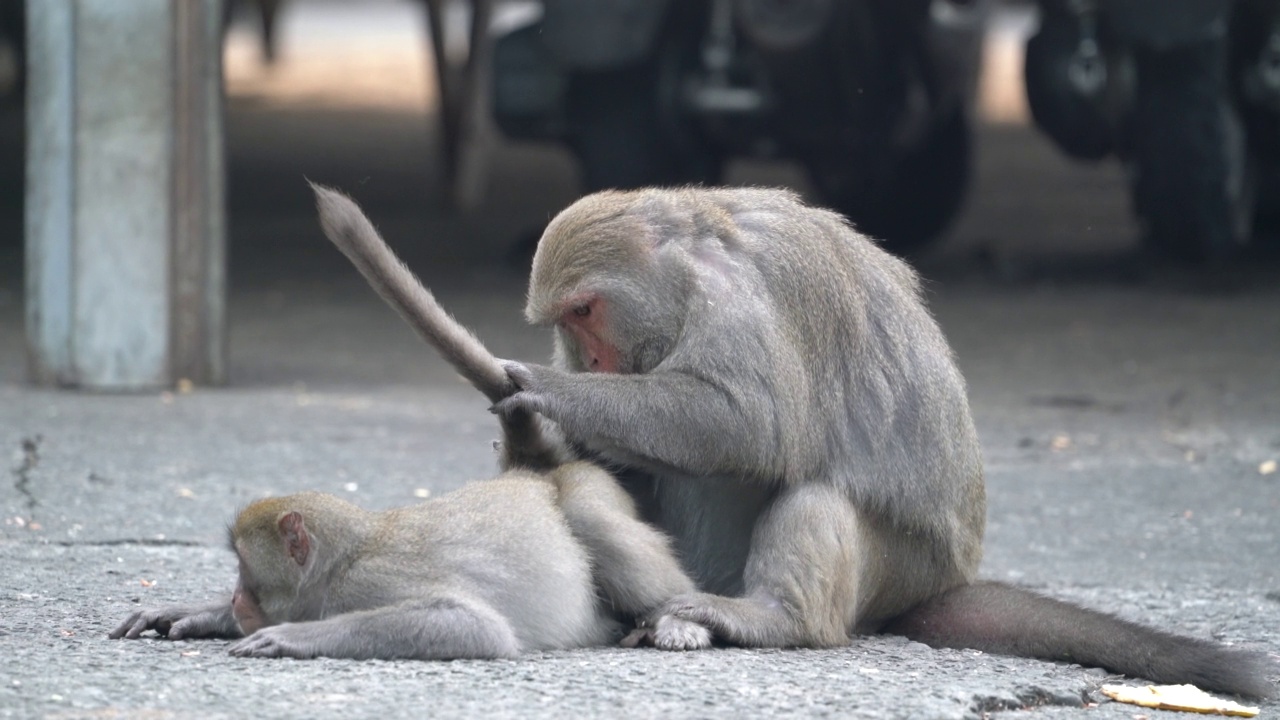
x,y
1129,419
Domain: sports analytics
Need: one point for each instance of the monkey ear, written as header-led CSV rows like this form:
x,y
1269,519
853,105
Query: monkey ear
x,y
294,534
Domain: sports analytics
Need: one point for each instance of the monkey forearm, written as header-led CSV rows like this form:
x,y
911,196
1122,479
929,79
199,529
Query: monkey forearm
x,y
443,629
669,419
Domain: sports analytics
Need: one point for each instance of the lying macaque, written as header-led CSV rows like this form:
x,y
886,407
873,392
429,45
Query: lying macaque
x,y
549,555
493,569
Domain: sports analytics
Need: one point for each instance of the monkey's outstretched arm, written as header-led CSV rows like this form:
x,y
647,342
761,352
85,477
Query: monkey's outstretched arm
x,y
348,228
663,420
178,622
445,628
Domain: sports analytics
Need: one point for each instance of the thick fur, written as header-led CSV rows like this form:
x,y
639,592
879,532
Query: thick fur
x,y
795,419
1006,620
348,228
527,442
526,561
551,554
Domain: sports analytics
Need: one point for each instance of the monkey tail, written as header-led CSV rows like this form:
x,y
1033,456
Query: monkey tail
x,y
348,228
1002,619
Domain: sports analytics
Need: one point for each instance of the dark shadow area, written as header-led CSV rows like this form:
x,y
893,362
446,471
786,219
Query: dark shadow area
x,y
1031,216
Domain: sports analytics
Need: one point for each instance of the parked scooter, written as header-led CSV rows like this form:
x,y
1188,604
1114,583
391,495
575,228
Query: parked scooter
x,y
1186,93
871,97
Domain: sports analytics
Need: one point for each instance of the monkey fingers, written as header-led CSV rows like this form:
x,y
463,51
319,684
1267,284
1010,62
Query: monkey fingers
x,y
141,621
532,395
179,622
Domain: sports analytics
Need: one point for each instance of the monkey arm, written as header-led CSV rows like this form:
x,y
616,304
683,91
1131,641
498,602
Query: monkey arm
x,y
178,622
663,419
442,628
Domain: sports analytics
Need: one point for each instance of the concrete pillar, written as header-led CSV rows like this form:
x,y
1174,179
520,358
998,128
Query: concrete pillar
x,y
125,230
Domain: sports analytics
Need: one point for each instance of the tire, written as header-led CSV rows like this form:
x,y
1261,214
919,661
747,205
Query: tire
x,y
1190,175
915,199
1074,121
620,138
627,125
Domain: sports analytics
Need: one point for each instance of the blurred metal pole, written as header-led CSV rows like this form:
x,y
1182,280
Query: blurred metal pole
x,y
125,233
463,89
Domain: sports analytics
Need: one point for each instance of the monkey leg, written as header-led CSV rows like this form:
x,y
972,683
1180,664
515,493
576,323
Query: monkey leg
x,y
801,578
632,562
442,628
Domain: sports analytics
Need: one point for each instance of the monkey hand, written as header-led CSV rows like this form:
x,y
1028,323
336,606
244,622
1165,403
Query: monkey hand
x,y
290,640
669,632
178,622
533,394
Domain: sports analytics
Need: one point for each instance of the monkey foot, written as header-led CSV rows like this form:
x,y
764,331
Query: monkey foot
x,y
669,632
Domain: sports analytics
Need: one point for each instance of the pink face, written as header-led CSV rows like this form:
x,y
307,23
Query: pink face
x,y
244,608
584,319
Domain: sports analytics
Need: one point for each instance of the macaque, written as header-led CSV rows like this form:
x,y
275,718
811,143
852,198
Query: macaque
x,y
778,398
490,570
549,555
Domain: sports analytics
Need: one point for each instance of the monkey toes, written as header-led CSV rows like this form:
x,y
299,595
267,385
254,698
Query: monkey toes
x,y
673,633
669,632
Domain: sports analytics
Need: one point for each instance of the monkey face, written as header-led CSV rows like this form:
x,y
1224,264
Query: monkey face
x,y
585,320
245,609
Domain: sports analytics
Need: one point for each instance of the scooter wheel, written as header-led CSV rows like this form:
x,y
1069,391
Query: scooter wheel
x,y
1189,167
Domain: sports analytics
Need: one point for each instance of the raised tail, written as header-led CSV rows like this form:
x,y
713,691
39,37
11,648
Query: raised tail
x,y
1002,619
348,228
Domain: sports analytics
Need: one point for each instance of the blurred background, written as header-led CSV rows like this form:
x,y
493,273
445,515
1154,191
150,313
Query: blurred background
x,y
1122,142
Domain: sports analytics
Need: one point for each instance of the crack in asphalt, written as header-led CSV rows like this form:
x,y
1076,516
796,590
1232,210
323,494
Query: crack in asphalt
x,y
121,542
22,473
1026,699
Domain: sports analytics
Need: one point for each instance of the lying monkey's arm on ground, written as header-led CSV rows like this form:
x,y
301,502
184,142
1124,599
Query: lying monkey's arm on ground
x,y
668,418
442,628
178,622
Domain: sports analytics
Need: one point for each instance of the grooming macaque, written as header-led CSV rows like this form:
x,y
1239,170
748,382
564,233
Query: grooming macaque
x,y
782,403
548,555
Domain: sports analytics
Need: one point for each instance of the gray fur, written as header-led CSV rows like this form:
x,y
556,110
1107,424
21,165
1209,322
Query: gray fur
x,y
526,561
527,443
551,554
797,422
353,234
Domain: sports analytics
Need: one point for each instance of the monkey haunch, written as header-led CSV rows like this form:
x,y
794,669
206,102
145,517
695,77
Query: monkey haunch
x,y
789,411
490,570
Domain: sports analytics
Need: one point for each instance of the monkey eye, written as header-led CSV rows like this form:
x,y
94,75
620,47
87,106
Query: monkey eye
x,y
582,310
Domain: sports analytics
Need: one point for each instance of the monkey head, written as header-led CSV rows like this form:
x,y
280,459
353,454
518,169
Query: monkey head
x,y
277,554
613,274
